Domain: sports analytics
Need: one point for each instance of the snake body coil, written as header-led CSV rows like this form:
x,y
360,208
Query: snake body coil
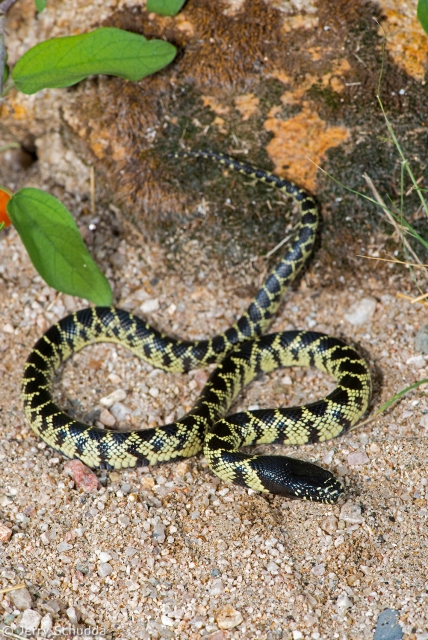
x,y
242,353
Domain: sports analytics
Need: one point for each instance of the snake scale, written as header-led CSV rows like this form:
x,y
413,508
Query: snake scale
x,y
242,352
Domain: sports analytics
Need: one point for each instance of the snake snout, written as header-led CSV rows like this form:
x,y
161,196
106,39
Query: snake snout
x,y
298,479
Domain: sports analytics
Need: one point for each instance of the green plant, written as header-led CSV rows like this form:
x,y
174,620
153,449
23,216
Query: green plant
x,y
165,7
422,13
54,244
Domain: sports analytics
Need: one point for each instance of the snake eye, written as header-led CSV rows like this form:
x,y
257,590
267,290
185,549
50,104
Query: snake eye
x,y
297,479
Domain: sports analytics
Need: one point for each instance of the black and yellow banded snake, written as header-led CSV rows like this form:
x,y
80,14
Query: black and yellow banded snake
x,y
241,353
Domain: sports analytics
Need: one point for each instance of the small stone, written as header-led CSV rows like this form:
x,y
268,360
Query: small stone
x,y
297,635
64,546
387,627
272,567
21,598
217,635
216,588
421,339
168,622
358,457
120,411
7,328
351,513
228,617
103,556
361,312
154,392
329,525
423,422
130,551
46,624
318,570
73,615
150,305
124,521
53,606
107,418
30,620
416,361
104,569
84,478
159,532
343,603
5,533
115,396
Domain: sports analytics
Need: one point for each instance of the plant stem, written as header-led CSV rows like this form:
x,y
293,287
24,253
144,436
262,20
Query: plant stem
x,y
4,8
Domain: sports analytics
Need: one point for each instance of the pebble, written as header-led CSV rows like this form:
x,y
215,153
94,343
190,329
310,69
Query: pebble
x,y
119,411
351,513
46,624
104,569
416,361
228,617
150,305
357,457
124,521
73,615
272,567
30,620
159,532
329,524
21,598
64,546
83,477
423,422
361,312
421,339
343,602
217,588
217,635
318,570
297,635
107,418
115,396
5,533
387,627
103,556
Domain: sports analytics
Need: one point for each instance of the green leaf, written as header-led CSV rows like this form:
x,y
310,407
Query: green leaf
x,y
55,246
165,7
423,14
40,5
61,62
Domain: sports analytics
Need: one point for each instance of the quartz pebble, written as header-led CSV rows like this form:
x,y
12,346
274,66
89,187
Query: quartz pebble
x,y
357,457
5,533
351,513
329,524
64,546
150,305
216,588
83,477
421,339
104,569
30,620
21,598
159,532
115,396
46,624
361,312
343,603
119,411
107,418
228,617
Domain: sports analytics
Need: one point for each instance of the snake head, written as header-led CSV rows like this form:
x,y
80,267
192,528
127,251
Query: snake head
x,y
295,478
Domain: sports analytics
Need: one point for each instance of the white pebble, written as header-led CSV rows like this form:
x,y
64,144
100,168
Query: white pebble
x,y
217,587
328,458
424,421
107,419
104,569
154,392
46,624
318,570
72,615
361,312
64,546
104,556
120,411
124,521
416,361
168,622
21,598
115,396
159,532
272,567
351,513
30,620
358,457
7,328
287,380
150,305
343,603
297,635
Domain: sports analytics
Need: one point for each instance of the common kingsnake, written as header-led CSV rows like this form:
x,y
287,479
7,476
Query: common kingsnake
x,y
241,353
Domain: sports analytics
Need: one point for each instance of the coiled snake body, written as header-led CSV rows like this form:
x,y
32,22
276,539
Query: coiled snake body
x,y
242,353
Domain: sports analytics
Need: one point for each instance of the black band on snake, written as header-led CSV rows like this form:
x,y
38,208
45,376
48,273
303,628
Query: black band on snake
x,y
242,353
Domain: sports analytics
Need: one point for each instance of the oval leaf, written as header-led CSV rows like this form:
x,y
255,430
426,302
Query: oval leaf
x,y
165,7
55,246
41,4
423,14
61,62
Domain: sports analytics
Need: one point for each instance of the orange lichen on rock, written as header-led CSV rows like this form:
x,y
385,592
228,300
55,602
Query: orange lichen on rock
x,y
406,41
332,79
247,105
301,143
214,105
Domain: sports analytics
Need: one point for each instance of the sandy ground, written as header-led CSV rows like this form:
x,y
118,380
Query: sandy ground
x,y
172,552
